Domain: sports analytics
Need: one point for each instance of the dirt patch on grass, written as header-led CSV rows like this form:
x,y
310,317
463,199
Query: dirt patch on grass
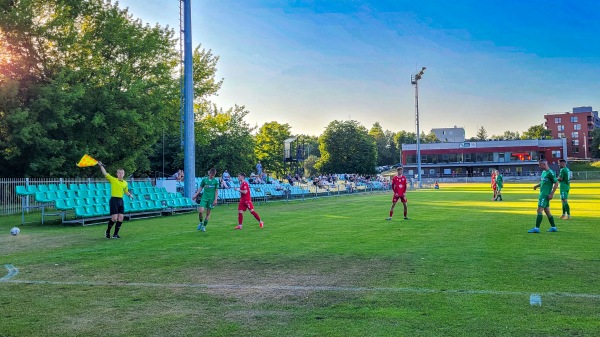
x,y
252,282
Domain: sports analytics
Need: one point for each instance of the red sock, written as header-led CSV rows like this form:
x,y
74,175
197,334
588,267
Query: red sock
x,y
255,215
391,213
405,212
240,218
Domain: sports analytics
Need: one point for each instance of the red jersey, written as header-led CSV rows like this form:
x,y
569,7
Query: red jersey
x,y
399,185
493,184
245,196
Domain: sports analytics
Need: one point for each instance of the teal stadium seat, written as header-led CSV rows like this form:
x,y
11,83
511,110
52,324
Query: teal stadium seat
x,y
31,189
21,190
41,197
60,195
80,212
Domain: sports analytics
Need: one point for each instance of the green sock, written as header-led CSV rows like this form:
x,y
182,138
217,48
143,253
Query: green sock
x,y
538,220
567,208
205,222
551,219
564,209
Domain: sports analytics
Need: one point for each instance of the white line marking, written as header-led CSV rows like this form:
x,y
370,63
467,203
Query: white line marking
x,y
7,279
12,271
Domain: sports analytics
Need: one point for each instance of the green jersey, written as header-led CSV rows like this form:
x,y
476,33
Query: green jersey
x,y
564,175
548,180
499,181
209,188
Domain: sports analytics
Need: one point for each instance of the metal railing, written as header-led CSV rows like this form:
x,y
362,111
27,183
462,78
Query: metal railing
x,y
11,203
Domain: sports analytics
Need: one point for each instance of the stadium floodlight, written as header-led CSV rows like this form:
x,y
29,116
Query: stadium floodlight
x,y
414,79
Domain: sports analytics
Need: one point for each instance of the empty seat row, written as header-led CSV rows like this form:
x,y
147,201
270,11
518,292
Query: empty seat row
x,y
136,206
33,189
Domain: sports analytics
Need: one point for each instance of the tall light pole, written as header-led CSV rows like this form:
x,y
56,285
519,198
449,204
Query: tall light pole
x,y
414,79
189,152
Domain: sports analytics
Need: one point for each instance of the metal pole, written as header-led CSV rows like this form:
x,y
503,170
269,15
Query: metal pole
x,y
415,80
418,132
189,139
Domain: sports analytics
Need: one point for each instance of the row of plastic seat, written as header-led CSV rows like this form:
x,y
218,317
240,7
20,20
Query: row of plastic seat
x,y
33,189
52,196
136,206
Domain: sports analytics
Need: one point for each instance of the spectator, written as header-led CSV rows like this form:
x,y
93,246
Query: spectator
x,y
178,175
222,183
259,168
227,178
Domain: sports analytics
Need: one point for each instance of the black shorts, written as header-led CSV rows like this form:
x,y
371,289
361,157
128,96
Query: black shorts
x,y
116,206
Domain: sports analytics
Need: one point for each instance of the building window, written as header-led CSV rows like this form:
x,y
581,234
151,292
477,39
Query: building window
x,y
557,120
575,149
556,154
561,127
561,135
574,119
575,142
574,134
577,127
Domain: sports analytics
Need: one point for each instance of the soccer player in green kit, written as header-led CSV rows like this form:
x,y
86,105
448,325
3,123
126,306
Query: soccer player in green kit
x,y
499,185
565,186
547,185
209,186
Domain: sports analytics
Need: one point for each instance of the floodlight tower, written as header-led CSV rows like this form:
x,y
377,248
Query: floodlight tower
x,y
189,160
414,79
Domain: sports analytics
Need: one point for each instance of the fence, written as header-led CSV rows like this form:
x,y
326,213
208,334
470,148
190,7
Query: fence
x,y
10,203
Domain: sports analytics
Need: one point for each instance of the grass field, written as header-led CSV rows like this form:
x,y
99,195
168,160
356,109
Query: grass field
x,y
462,266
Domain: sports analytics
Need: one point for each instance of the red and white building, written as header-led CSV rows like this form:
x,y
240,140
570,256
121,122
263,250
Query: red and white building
x,y
479,158
576,127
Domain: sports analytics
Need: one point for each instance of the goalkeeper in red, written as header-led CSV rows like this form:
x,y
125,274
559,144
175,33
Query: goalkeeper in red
x,y
245,202
399,189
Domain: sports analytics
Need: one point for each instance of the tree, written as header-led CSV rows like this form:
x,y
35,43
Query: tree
x,y
430,138
390,156
224,141
537,132
347,147
383,152
309,166
311,145
403,137
269,146
595,144
507,135
85,78
481,134
168,141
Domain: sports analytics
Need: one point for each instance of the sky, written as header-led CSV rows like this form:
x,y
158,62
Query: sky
x,y
502,65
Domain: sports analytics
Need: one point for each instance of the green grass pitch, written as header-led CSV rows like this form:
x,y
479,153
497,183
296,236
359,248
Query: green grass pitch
x,y
462,266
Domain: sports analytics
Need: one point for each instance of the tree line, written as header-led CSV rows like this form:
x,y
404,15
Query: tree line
x,y
84,76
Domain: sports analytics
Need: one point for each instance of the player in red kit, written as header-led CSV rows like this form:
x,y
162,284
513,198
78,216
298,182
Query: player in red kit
x,y
493,184
245,202
399,189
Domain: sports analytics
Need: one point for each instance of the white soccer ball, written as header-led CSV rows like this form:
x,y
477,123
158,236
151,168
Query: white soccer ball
x,y
15,231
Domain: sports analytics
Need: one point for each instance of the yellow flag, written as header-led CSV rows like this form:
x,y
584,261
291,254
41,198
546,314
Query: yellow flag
x,y
86,161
